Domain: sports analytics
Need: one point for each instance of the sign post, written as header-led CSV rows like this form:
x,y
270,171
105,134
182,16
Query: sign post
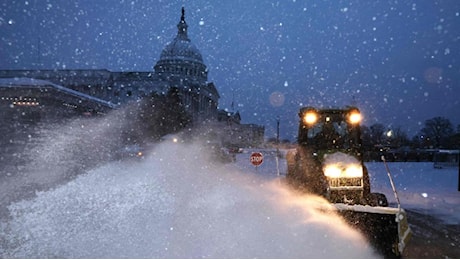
x,y
256,159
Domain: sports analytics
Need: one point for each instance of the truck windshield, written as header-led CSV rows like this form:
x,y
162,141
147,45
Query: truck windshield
x,y
330,135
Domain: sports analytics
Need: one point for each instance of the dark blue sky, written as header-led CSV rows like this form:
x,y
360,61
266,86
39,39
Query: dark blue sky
x,y
399,61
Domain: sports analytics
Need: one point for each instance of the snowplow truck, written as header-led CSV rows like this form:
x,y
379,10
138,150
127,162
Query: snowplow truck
x,y
328,162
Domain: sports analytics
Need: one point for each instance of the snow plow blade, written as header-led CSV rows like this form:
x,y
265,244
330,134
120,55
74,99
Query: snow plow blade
x,y
386,228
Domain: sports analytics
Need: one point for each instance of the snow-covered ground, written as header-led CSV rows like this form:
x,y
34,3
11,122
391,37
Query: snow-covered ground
x,y
179,203
420,187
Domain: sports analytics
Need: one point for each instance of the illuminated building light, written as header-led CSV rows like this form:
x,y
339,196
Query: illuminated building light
x,y
25,103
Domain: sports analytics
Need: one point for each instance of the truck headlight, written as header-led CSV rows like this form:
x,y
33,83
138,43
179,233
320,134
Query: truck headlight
x,y
354,117
343,171
310,117
354,171
332,171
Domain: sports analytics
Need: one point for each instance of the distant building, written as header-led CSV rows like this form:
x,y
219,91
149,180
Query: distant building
x,y
31,100
180,65
237,134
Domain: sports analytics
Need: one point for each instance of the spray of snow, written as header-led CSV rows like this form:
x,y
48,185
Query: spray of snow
x,y
176,203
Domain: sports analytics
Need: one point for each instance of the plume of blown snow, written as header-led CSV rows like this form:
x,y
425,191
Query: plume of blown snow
x,y
176,203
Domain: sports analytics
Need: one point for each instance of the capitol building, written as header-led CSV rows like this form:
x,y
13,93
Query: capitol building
x,y
180,66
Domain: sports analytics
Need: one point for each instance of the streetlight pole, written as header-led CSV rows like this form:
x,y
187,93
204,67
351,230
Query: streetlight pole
x,y
277,144
278,130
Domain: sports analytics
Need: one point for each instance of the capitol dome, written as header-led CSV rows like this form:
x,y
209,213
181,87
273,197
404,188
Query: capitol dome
x,y
181,47
181,59
181,67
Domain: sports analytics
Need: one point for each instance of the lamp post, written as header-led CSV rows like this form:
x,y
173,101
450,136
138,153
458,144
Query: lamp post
x,y
277,144
277,130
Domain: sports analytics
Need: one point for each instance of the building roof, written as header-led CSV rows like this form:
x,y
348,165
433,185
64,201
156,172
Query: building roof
x,y
38,83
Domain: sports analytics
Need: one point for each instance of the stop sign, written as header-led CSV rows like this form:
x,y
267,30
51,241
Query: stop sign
x,y
256,158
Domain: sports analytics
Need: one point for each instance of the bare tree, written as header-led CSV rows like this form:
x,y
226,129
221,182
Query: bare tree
x,y
376,133
366,137
437,130
397,138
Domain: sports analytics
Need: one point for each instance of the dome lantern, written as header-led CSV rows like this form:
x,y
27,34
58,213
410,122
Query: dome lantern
x,y
182,27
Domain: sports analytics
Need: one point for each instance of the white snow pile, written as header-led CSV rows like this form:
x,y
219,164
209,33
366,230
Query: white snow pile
x,y
175,204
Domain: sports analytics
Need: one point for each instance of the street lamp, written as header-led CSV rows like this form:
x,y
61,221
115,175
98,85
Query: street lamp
x,y
277,144
278,130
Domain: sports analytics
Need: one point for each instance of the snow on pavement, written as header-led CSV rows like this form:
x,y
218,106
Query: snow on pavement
x,y
420,187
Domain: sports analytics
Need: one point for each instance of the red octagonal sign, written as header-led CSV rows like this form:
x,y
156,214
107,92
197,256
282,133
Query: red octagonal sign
x,y
256,158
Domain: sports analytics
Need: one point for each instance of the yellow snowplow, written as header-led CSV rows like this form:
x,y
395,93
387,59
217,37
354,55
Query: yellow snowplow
x,y
328,161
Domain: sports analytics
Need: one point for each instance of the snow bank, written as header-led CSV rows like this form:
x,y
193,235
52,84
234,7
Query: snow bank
x,y
175,204
420,187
